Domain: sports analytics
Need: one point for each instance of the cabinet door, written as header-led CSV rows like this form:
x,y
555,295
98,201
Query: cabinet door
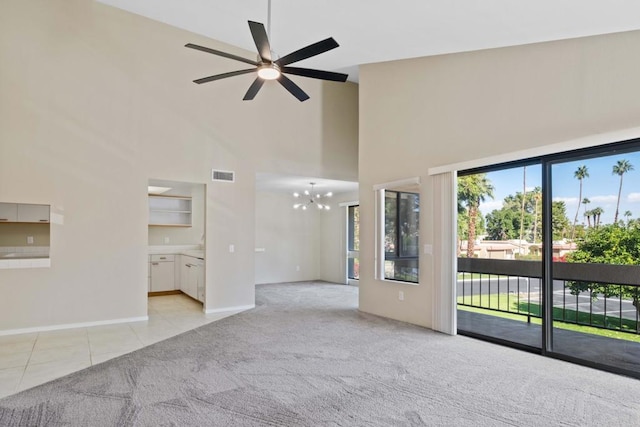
x,y
8,212
192,289
185,267
33,213
161,276
201,283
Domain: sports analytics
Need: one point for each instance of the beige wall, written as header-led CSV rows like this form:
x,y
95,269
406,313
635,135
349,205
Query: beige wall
x,y
95,102
427,112
312,240
290,239
15,234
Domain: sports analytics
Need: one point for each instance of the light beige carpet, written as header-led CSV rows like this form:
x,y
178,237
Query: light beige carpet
x,y
306,357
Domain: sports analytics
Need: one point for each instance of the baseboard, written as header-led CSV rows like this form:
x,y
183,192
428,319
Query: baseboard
x,y
162,293
225,309
72,325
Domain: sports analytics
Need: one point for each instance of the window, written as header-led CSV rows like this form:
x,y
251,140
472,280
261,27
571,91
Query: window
x,y
401,219
353,239
554,243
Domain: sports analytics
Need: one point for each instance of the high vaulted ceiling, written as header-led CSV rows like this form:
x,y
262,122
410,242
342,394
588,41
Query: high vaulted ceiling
x,y
372,31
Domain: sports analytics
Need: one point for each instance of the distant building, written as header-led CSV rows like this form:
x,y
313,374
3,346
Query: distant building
x,y
511,249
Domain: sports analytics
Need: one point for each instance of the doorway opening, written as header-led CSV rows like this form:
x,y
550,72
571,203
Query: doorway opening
x,y
176,239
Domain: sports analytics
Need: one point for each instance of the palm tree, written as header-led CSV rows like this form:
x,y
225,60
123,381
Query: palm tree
x,y
620,168
628,214
524,198
473,189
596,212
585,202
580,174
537,196
588,215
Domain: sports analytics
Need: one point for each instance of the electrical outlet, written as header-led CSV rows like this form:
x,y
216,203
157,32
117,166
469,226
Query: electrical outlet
x,y
232,248
297,268
401,295
166,240
29,240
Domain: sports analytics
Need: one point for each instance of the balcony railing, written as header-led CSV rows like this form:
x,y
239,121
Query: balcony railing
x,y
515,288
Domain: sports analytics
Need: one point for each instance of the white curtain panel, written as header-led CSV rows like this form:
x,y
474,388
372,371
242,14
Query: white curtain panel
x,y
444,252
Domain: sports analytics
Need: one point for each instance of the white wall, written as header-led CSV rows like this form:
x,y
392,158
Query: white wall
x,y
312,240
95,102
434,111
290,238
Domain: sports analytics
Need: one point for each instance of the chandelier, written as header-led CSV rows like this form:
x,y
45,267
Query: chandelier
x,y
312,199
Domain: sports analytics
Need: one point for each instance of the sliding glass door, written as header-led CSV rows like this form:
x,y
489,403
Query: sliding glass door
x,y
596,268
499,286
549,255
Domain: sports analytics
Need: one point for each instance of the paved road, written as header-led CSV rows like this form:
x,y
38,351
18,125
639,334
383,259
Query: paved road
x,y
531,287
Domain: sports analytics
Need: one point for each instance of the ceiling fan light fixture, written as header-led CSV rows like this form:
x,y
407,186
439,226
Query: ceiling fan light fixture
x,y
269,72
278,69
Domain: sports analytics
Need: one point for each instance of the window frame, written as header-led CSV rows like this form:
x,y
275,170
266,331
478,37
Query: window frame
x,y
380,234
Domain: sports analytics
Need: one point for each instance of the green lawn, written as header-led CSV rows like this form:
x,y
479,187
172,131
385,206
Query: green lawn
x,y
508,304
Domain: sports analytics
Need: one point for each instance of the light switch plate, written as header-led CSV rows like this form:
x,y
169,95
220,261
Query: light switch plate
x,y
428,249
29,240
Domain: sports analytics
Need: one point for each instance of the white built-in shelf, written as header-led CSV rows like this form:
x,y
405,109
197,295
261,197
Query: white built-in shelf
x,y
169,211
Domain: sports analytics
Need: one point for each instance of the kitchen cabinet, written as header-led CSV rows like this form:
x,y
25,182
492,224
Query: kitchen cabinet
x,y
8,212
192,277
201,282
169,211
21,212
162,273
33,213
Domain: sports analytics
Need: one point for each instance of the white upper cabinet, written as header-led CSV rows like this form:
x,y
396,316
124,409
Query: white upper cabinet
x,y
8,212
18,212
33,213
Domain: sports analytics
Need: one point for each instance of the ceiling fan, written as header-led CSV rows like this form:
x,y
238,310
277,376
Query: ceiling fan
x,y
269,68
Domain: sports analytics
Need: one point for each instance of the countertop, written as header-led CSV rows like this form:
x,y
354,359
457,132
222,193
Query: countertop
x,y
24,257
195,251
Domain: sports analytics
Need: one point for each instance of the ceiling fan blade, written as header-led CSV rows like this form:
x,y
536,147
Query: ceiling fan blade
x,y
293,88
308,52
220,53
224,76
316,74
253,89
261,40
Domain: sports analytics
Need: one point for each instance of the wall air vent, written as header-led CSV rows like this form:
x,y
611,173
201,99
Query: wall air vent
x,y
225,176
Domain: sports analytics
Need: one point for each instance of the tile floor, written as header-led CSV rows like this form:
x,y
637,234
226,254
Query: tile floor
x,y
27,360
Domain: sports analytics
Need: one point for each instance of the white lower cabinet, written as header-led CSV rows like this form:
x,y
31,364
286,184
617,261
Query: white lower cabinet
x,y
173,272
161,273
192,277
201,282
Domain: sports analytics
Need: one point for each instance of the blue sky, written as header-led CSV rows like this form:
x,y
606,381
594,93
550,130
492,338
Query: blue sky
x,y
601,187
